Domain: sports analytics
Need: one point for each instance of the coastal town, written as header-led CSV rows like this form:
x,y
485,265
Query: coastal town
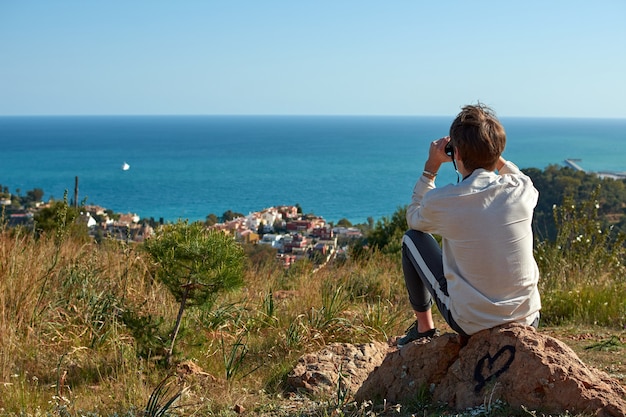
x,y
284,228
293,235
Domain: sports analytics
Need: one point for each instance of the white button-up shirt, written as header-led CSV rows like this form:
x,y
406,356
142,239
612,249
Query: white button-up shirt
x,y
487,244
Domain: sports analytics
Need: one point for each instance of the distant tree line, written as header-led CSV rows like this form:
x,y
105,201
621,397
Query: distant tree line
x,y
555,183
17,200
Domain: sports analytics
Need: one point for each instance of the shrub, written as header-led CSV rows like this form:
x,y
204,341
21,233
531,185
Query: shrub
x,y
195,264
582,271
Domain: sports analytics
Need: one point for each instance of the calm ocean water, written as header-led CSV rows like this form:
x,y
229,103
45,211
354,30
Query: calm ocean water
x,y
190,166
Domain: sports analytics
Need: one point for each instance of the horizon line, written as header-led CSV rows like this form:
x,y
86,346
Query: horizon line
x,y
297,115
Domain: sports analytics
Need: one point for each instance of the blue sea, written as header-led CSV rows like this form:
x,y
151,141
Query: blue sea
x,y
336,167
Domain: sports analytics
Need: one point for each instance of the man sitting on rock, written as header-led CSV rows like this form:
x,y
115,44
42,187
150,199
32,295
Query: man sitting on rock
x,y
484,274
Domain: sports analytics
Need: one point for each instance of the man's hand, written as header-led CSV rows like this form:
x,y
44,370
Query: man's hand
x,y
437,155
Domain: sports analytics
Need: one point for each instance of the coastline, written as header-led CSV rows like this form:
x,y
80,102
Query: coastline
x,y
573,163
340,167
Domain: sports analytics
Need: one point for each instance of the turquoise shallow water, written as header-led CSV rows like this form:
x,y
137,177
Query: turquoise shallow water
x,y
190,166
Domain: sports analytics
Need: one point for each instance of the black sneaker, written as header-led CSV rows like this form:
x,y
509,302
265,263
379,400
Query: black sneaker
x,y
412,335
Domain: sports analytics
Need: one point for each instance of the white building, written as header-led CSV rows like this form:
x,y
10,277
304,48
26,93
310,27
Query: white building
x,y
276,241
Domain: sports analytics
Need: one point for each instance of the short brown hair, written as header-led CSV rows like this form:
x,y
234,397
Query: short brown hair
x,y
478,137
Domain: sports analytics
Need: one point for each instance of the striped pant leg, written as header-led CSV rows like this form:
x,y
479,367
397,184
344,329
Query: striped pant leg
x,y
422,266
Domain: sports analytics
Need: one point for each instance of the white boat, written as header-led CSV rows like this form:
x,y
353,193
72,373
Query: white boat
x,y
125,166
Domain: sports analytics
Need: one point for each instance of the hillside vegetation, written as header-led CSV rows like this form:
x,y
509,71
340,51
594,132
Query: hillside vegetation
x,y
86,328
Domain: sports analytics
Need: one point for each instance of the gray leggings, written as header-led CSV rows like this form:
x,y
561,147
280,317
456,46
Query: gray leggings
x,y
422,265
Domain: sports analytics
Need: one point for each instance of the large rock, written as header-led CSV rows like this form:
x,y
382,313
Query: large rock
x,y
512,363
406,372
319,373
525,368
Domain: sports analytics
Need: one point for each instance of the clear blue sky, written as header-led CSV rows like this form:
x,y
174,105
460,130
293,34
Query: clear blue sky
x,y
524,58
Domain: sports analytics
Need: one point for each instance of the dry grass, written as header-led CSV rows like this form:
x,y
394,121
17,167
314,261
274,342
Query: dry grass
x,y
82,327
60,333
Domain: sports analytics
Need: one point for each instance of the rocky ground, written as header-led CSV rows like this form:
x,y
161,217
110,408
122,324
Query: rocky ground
x,y
511,365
